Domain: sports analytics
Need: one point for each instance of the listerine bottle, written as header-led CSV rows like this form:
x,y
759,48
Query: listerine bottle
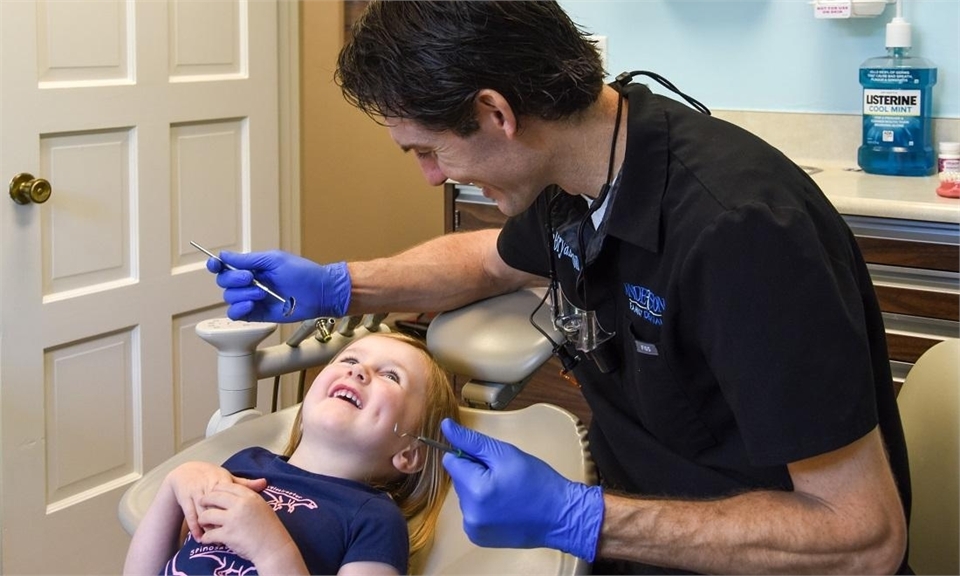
x,y
897,106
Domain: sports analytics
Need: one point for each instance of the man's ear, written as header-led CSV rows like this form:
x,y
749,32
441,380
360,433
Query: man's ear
x,y
493,111
410,459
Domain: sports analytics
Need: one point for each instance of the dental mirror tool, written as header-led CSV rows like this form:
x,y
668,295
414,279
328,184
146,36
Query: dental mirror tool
x,y
288,303
434,444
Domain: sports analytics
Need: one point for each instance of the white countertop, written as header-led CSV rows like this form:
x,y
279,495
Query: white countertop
x,y
857,193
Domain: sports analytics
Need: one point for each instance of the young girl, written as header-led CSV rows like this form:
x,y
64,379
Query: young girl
x,y
341,497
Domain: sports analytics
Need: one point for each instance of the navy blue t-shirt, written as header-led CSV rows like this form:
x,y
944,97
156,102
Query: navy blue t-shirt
x,y
333,521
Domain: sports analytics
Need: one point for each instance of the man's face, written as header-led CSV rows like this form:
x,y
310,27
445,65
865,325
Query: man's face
x,y
504,168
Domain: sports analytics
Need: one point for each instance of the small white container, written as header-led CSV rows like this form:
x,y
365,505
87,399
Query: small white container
x,y
948,157
948,167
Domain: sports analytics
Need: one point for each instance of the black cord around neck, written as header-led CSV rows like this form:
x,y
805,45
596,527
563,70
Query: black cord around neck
x,y
600,199
625,77
613,147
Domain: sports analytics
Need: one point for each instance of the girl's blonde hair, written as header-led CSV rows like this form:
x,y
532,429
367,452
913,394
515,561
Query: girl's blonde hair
x,y
419,495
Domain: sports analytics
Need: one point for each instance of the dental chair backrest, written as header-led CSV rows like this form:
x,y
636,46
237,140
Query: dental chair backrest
x,y
494,343
485,341
930,411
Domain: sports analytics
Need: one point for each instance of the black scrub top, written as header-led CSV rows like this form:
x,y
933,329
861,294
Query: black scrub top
x,y
748,331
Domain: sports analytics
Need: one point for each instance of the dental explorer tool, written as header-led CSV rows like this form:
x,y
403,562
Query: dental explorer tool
x,y
288,303
434,444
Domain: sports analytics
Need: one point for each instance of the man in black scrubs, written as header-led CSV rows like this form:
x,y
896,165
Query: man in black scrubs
x,y
744,418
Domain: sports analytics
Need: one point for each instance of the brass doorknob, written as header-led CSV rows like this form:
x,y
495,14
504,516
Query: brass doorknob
x,y
24,189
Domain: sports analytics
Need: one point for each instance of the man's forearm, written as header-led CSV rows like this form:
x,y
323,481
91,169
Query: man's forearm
x,y
441,274
746,534
844,516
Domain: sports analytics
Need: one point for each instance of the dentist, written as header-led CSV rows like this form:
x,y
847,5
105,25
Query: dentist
x,y
744,418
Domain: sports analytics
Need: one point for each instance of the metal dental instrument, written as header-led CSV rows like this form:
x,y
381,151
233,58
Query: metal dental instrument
x,y
434,444
288,303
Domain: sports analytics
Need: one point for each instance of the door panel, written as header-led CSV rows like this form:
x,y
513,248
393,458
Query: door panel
x,y
156,124
210,183
77,420
84,43
207,39
99,214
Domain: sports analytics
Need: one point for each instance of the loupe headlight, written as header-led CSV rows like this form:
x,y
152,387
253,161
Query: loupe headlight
x,y
582,329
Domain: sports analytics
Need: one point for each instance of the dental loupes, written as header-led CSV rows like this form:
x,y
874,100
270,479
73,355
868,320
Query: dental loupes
x,y
288,303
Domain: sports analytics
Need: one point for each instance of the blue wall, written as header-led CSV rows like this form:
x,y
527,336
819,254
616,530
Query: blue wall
x,y
768,55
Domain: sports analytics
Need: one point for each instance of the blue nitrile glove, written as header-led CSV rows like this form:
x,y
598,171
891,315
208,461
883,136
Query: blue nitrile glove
x,y
319,290
516,500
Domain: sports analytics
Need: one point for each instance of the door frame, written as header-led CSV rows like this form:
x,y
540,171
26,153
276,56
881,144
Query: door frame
x,y
288,77
288,19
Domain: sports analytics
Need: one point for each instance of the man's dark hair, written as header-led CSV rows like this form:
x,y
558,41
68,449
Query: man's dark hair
x,y
426,61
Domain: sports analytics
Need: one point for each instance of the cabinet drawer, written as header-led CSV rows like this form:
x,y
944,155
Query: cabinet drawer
x,y
907,348
917,302
471,216
910,254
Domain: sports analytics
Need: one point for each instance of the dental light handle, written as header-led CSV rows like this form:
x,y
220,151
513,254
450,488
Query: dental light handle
x,y
236,342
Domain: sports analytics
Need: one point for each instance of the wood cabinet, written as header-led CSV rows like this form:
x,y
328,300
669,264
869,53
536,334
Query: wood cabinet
x,y
915,267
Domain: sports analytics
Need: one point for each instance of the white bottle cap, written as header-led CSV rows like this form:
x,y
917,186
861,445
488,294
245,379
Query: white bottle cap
x,y
898,33
949,147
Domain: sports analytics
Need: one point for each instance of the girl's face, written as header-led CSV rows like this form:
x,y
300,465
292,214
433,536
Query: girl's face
x,y
374,384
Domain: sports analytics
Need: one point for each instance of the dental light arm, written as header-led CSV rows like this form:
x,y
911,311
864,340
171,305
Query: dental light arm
x,y
240,364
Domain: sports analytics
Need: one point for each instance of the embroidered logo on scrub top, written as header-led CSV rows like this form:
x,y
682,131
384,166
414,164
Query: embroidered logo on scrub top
x,y
563,250
645,304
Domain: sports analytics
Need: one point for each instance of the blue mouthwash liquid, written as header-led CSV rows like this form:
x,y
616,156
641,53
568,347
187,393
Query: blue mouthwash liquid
x,y
897,126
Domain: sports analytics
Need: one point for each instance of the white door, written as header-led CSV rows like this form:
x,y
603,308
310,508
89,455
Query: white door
x,y
155,123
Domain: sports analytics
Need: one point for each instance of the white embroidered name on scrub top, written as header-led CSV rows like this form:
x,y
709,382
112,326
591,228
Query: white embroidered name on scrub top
x,y
563,250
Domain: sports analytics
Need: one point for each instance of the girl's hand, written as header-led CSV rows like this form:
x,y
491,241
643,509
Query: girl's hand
x,y
189,482
238,517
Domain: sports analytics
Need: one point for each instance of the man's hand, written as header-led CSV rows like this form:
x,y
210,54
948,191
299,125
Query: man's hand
x,y
515,500
319,290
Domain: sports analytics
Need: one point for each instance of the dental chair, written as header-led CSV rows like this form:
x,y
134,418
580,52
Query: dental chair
x,y
492,342
929,404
